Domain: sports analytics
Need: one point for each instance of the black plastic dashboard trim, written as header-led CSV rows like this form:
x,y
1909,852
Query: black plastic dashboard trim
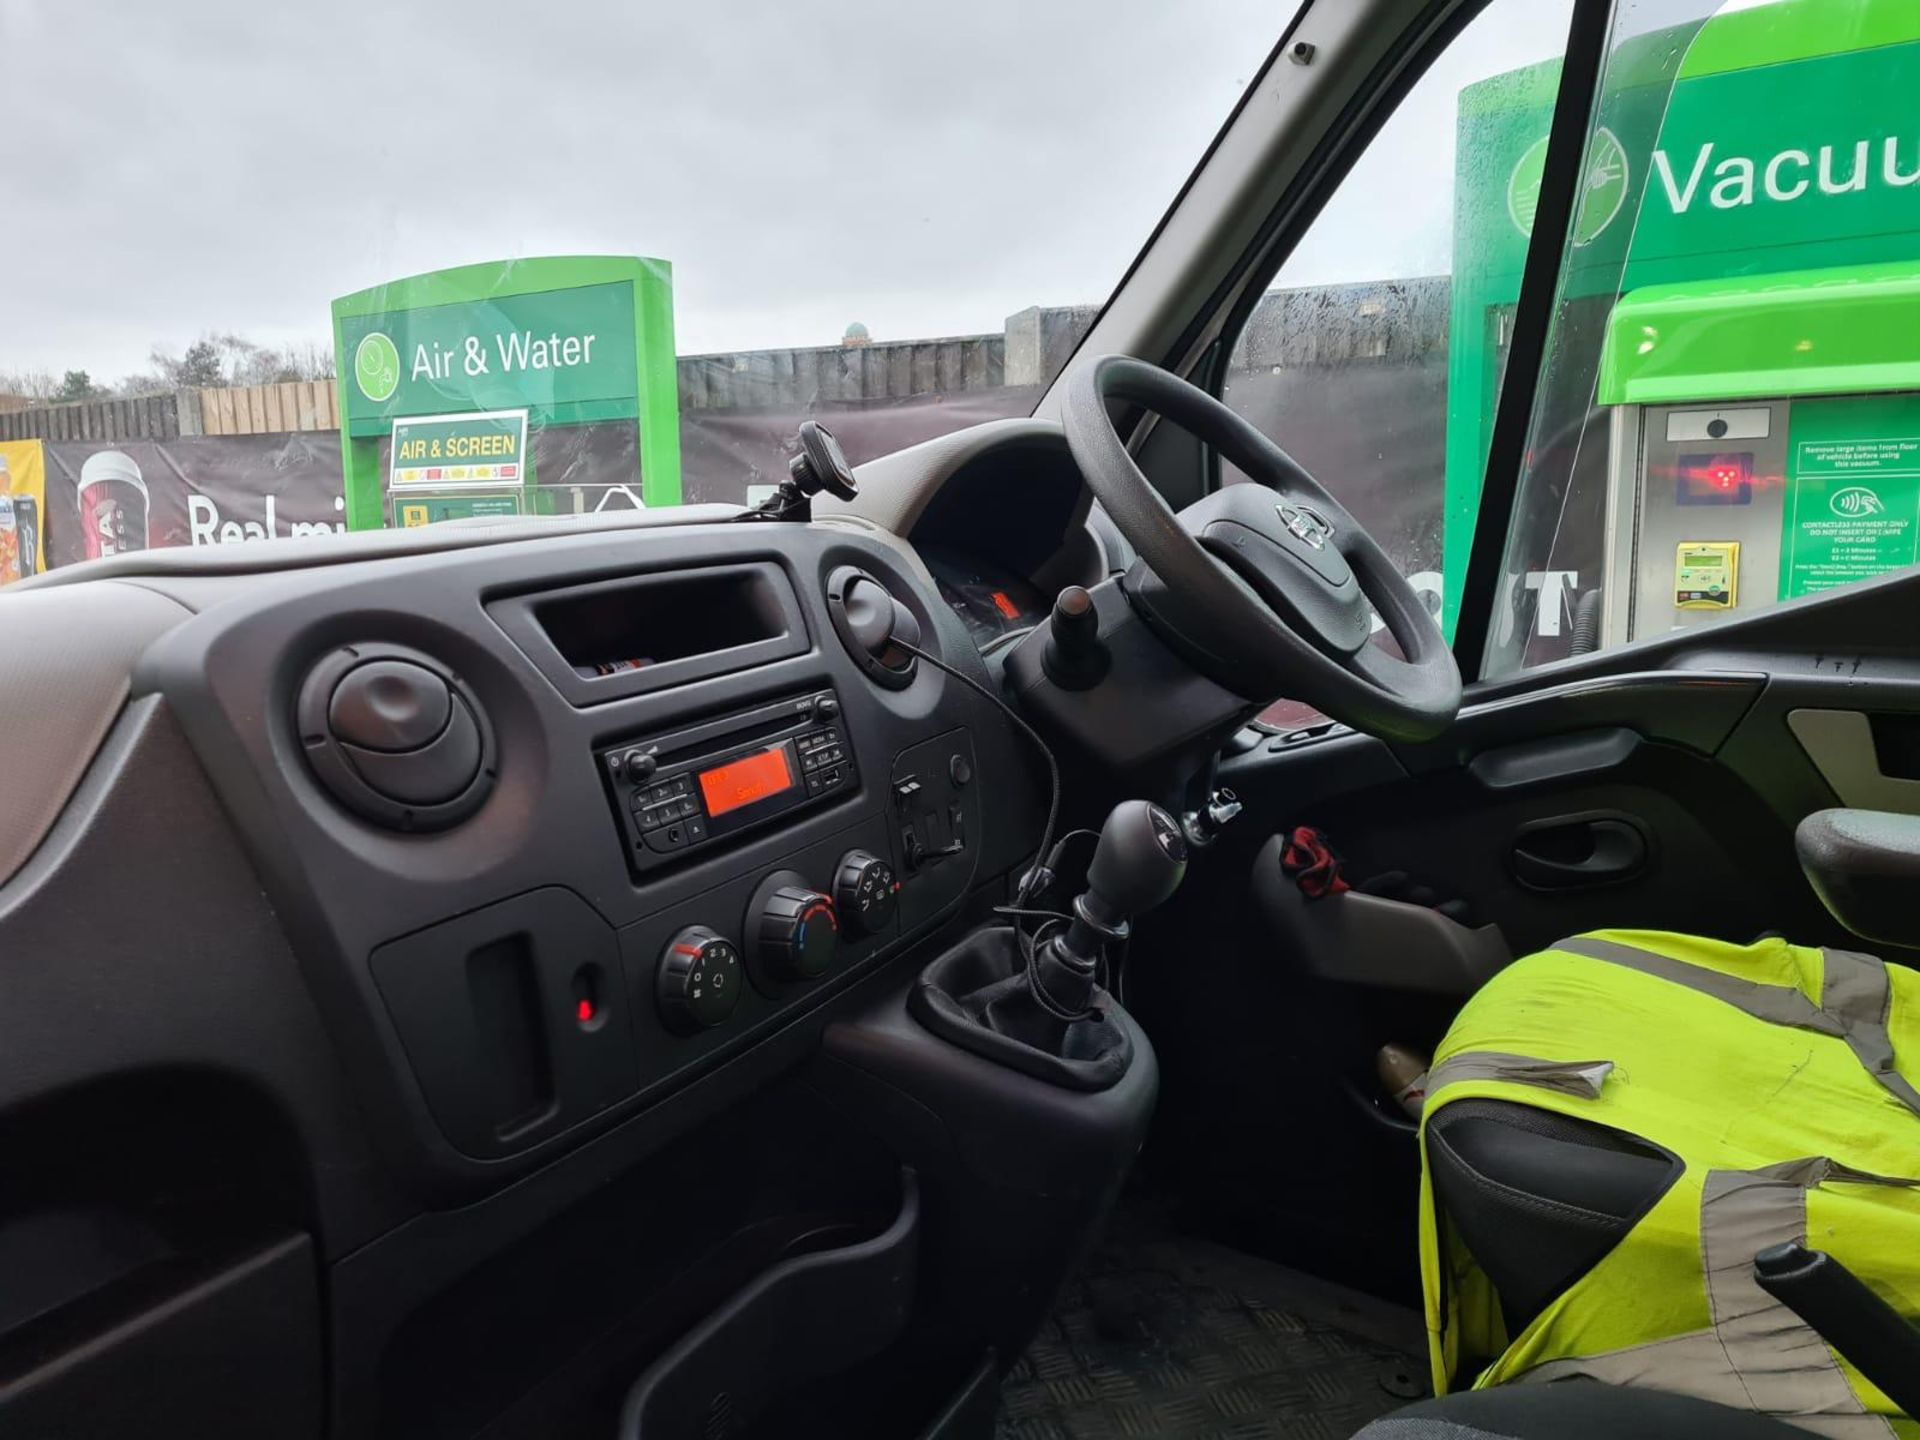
x,y
342,888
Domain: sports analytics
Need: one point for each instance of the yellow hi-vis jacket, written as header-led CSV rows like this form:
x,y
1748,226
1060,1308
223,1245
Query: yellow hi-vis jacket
x,y
1781,1077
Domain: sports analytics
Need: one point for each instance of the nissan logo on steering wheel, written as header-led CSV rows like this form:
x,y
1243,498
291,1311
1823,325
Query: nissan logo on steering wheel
x,y
1304,524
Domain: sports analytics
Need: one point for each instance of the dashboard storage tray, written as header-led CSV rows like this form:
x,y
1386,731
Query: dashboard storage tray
x,y
656,629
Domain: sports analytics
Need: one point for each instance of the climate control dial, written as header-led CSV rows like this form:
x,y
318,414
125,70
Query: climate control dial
x,y
865,892
699,980
793,928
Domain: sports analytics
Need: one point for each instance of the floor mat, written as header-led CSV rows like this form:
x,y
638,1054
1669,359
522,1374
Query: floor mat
x,y
1190,1341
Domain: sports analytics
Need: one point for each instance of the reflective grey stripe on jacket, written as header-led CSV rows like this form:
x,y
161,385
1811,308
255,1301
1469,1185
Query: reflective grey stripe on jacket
x,y
1581,1078
1759,1355
1855,992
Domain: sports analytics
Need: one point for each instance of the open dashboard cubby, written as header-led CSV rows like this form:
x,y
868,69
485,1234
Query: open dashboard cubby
x,y
655,630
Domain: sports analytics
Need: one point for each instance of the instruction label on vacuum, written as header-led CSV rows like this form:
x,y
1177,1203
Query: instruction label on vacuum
x,y
1853,491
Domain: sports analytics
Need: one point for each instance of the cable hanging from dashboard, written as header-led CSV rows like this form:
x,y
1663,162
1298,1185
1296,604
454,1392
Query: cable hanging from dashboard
x,y
1046,854
1053,766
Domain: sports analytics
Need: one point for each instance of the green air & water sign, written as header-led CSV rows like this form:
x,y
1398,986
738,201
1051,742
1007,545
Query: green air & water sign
x,y
1853,491
558,342
571,351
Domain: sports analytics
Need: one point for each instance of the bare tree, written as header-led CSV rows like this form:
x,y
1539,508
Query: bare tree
x,y
29,384
217,360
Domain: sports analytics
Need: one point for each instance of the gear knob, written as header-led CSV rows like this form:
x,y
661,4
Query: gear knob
x,y
1139,862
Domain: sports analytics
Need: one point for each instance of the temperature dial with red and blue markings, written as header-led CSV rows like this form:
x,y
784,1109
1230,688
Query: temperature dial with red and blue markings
x,y
796,932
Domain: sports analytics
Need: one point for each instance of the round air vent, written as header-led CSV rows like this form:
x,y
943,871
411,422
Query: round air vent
x,y
873,625
396,737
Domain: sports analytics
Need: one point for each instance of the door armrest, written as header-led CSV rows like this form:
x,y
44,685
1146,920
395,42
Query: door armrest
x,y
1865,867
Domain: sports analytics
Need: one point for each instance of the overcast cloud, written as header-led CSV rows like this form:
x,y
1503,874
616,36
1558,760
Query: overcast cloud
x,y
182,166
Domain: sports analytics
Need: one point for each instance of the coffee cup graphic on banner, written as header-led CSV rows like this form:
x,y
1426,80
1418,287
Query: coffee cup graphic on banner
x,y
113,504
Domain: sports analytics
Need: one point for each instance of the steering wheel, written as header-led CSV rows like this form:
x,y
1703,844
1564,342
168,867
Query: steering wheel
x,y
1269,588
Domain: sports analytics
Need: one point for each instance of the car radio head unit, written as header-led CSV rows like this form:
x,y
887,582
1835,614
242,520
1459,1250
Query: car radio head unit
x,y
683,791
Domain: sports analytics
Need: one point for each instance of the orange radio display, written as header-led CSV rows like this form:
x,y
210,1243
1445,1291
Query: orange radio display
x,y
746,780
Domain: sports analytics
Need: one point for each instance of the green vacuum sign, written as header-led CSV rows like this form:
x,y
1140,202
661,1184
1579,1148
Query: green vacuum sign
x,y
1823,154
1603,189
557,342
1769,145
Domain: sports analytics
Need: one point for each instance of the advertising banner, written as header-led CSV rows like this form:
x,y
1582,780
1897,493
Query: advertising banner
x,y
23,510
104,497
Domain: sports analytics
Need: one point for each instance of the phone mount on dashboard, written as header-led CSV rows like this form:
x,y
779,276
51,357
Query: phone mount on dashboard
x,y
820,465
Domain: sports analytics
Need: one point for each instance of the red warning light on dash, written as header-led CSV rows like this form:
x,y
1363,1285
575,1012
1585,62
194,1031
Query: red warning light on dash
x,y
744,781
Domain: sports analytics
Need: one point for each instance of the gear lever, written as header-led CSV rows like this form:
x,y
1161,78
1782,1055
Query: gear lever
x,y
1034,1006
1140,860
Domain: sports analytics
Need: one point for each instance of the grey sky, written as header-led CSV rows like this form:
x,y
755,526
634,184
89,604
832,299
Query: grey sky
x,y
195,165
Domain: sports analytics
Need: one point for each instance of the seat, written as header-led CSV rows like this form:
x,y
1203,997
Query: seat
x,y
1618,1126
1538,1197
1575,1411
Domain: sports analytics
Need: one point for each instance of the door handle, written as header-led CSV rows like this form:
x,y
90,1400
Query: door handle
x,y
1579,852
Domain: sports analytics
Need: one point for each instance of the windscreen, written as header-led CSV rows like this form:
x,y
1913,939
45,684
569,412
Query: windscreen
x,y
272,272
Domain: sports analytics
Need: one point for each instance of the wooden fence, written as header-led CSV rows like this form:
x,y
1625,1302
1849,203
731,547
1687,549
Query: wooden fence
x,y
262,409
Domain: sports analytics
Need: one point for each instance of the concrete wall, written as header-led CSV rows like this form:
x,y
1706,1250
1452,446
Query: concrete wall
x,y
1328,327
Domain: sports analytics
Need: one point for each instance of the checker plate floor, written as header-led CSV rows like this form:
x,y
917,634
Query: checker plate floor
x,y
1189,1341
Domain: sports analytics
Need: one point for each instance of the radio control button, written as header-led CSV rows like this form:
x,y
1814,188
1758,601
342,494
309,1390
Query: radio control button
x,y
667,838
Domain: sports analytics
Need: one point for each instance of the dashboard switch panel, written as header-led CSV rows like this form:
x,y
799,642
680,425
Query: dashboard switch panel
x,y
935,818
